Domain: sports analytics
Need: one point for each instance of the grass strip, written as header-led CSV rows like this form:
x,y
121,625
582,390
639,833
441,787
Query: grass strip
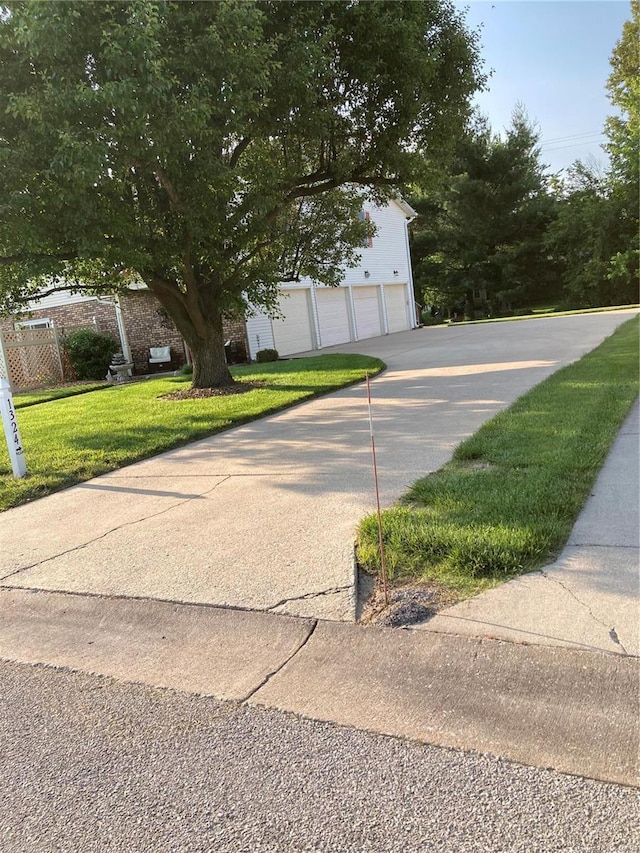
x,y
508,500
70,440
540,314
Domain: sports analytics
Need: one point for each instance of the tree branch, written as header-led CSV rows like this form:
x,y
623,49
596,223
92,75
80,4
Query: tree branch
x,y
169,188
364,180
256,250
7,260
239,150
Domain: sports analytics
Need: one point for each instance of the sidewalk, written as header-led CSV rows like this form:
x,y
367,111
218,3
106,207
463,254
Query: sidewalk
x,y
590,597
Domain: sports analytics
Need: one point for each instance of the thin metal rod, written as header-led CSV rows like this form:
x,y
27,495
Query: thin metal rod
x,y
383,569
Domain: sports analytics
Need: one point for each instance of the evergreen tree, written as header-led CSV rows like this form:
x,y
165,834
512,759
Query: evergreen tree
x,y
479,242
595,237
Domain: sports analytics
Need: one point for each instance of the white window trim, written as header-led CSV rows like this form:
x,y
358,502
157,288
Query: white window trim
x,y
41,323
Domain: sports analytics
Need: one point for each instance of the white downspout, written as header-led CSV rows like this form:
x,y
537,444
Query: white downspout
x,y
412,295
124,340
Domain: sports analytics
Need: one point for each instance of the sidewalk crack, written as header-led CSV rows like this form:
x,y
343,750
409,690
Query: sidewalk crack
x,y
109,532
610,629
279,668
308,595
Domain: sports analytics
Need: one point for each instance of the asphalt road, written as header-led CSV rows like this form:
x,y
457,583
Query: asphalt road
x,y
90,764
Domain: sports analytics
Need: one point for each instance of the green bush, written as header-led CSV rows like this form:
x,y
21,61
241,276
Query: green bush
x,y
186,370
427,320
267,355
89,353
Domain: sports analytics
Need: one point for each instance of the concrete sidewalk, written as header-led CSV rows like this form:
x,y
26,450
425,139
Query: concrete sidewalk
x,y
590,597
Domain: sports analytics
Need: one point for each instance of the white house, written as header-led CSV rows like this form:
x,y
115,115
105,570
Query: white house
x,y
375,298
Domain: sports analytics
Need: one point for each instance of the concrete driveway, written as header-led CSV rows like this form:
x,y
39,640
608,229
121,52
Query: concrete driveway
x,y
263,517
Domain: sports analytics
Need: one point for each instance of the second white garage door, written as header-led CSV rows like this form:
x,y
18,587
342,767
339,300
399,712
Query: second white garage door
x,y
395,297
333,316
366,304
293,333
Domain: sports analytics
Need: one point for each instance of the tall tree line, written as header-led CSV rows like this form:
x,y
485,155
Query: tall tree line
x,y
497,234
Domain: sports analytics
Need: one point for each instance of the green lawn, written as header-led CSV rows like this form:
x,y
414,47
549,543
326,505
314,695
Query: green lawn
x,y
508,500
30,398
70,440
539,313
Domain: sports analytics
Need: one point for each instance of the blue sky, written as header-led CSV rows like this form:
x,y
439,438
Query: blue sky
x,y
553,57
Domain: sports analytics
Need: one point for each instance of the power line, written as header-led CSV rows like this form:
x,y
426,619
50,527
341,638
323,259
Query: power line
x,y
572,136
573,145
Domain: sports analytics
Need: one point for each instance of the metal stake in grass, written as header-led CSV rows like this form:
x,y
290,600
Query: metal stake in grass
x,y
383,570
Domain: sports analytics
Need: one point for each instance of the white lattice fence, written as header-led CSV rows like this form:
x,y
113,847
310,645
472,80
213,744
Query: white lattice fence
x,y
30,358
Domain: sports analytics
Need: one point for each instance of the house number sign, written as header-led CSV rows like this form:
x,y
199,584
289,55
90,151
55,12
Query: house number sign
x,y
11,431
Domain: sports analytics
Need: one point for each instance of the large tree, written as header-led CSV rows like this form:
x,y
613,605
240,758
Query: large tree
x,y
479,239
595,236
623,146
213,149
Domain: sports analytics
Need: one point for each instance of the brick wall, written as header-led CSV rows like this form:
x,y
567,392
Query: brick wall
x,y
148,325
236,332
146,322
92,314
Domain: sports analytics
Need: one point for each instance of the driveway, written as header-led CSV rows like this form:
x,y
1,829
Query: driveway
x,y
263,517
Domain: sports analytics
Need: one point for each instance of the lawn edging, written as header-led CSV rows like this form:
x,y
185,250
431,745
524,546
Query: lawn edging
x,y
507,501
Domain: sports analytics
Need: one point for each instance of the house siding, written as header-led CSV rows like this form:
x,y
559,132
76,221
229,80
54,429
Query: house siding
x,y
386,262
259,333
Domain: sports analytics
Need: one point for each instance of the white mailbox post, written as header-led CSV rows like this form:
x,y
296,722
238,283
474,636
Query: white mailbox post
x,y
11,431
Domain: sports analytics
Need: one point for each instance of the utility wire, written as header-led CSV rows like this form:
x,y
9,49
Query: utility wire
x,y
573,145
577,136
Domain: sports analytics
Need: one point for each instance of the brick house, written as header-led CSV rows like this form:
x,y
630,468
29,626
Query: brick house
x,y
136,320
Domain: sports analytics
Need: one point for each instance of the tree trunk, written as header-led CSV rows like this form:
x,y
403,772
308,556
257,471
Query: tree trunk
x,y
209,363
199,321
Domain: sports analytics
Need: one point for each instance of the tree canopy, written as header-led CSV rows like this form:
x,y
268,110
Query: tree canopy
x,y
595,236
498,233
213,150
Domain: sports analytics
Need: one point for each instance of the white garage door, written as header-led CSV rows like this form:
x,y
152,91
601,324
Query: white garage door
x,y
395,296
293,333
333,316
367,311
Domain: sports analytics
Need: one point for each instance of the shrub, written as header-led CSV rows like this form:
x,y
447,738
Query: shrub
x,y
186,370
267,355
89,353
427,319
